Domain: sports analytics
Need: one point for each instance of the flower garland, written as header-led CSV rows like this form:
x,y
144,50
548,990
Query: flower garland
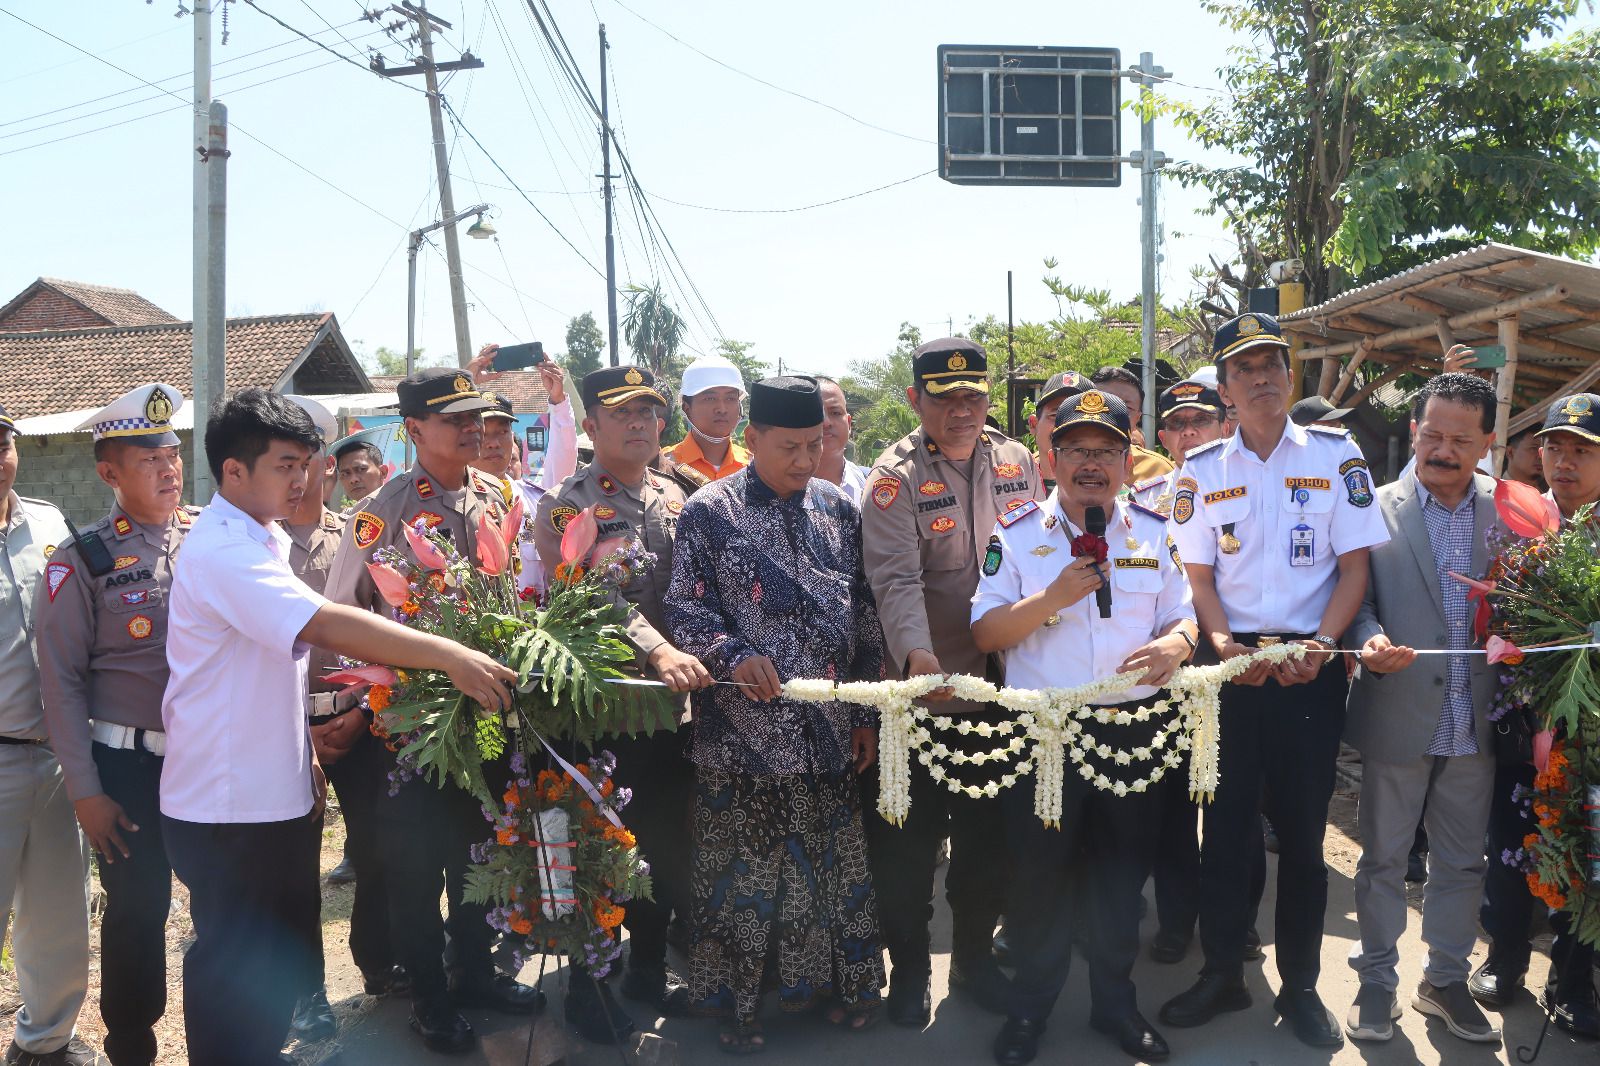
x,y
1053,720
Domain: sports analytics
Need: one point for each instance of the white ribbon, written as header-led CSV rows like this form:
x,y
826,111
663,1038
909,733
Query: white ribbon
x,y
583,782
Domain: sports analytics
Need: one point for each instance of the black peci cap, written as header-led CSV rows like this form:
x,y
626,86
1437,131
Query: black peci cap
x,y
790,402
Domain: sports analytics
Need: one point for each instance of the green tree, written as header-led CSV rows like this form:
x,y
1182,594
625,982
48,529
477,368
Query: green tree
x,y
751,367
654,331
388,362
586,347
1379,135
875,392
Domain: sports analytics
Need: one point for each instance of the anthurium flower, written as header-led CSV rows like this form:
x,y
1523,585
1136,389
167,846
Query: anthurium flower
x,y
1541,749
1525,510
579,536
362,676
1478,594
512,526
607,548
392,585
1502,651
426,552
492,551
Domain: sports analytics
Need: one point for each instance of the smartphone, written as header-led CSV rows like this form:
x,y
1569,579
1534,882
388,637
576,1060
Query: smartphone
x,y
518,356
1489,357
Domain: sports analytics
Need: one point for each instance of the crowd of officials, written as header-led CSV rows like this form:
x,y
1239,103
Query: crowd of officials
x,y
166,708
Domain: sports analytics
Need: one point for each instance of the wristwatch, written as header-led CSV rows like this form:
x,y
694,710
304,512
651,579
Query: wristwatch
x,y
1331,643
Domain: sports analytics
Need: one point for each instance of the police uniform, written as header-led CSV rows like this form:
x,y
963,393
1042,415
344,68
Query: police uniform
x,y
655,766
425,830
926,519
1271,531
1105,843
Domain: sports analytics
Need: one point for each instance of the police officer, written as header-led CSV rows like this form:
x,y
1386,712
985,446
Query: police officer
x,y
1037,601
102,630
426,830
623,419
932,498
1190,414
1274,525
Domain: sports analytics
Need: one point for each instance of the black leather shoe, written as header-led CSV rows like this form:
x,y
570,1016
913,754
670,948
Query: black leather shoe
x,y
1168,947
1134,1035
595,1013
659,988
1002,948
1417,867
909,1002
1495,983
1575,1013
1252,946
391,982
1313,1025
442,1028
343,874
498,992
981,981
1017,1042
1208,997
313,1018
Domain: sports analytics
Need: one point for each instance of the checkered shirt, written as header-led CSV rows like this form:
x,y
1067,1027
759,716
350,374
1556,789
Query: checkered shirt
x,y
1450,537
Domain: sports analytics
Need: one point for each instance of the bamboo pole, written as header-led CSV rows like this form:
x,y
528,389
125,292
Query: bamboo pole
x,y
1504,309
1505,382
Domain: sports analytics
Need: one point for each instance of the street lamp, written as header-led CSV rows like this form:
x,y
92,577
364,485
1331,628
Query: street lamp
x,y
478,230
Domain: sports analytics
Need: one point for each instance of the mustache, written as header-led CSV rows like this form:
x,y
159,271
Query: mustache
x,y
1442,464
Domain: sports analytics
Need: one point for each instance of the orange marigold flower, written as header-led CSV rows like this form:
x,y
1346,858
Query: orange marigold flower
x,y
521,925
512,797
608,915
436,582
379,697
507,837
410,608
620,836
1530,840
607,787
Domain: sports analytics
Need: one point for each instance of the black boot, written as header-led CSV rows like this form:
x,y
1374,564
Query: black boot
x,y
594,1012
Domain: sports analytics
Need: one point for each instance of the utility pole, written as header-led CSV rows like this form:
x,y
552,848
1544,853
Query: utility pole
x,y
605,156
203,388
1149,163
418,13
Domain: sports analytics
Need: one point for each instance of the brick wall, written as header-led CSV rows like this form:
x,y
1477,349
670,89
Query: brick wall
x,y
49,310
60,469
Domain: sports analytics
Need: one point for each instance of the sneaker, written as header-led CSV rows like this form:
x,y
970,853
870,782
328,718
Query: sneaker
x,y
1454,1005
1372,1015
73,1053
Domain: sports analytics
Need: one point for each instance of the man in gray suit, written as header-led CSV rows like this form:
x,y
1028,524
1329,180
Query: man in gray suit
x,y
1422,728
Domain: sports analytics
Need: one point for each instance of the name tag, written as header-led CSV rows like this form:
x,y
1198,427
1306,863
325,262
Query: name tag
x,y
1302,546
1226,494
1137,564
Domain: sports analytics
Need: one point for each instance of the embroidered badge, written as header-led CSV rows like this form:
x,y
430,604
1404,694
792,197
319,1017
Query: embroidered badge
x,y
931,488
125,561
49,550
1248,326
1183,507
560,516
135,598
1226,494
607,486
1007,471
429,517
140,627
1043,550
633,377
1091,403
1172,550
122,526
425,489
1186,483
1137,564
462,383
1017,514
957,361
368,528
1356,485
884,491
674,506
603,512
943,524
157,408
991,556
55,575
1307,483
1577,408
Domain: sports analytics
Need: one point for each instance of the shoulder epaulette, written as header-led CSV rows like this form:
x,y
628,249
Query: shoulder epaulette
x,y
1147,483
1134,505
37,502
1017,514
1335,431
1206,447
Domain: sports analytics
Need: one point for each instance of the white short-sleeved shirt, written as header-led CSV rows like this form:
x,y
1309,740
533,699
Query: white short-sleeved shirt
x,y
1149,591
1294,514
235,708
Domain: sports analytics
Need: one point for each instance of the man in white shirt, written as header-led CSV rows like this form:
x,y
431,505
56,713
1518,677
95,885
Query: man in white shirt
x,y
834,466
240,790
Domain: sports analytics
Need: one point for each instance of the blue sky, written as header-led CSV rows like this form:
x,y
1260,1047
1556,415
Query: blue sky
x,y
816,288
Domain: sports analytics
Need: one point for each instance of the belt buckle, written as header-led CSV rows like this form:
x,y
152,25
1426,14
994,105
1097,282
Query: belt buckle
x,y
1268,641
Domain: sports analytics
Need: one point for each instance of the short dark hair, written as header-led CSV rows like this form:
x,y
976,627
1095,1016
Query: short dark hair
x,y
1121,375
1458,388
244,425
1222,364
374,456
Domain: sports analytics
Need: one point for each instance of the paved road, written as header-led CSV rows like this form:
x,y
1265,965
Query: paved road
x,y
962,1033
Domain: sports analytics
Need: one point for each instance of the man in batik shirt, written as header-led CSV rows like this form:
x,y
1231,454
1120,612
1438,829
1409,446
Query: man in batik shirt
x,y
767,586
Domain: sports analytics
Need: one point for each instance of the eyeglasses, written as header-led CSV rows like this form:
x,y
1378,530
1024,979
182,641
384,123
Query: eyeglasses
x,y
1183,425
1084,455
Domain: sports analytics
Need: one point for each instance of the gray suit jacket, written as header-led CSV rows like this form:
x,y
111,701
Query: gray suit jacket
x,y
1392,717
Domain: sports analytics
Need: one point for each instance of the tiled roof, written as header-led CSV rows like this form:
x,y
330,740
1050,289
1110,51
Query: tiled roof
x,y
524,387
119,307
62,370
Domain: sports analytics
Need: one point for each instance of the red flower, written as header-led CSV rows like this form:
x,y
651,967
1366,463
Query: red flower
x,y
1525,510
1092,545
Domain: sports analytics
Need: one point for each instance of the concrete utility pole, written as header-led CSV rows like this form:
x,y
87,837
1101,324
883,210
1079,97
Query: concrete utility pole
x,y
418,13
1149,163
605,156
206,383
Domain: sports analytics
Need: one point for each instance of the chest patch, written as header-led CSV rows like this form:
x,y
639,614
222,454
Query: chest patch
x,y
140,627
368,528
1307,483
1007,471
136,597
932,488
125,561
1137,564
603,512
428,517
942,524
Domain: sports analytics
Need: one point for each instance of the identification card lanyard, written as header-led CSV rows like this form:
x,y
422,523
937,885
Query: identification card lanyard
x,y
1302,538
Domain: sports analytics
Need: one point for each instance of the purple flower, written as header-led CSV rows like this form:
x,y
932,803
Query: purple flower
x,y
519,765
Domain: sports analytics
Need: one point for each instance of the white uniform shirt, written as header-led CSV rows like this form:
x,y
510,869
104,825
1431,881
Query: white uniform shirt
x,y
1157,493
1293,515
235,709
854,483
1149,592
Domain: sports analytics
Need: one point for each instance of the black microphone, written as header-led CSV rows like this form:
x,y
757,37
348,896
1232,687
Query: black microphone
x,y
1094,523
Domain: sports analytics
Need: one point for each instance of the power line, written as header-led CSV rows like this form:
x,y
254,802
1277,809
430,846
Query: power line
x,y
792,210
331,51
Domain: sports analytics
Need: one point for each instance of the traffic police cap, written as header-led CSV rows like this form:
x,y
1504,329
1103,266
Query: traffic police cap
x,y
1189,393
1093,408
439,390
142,416
949,364
1246,331
1578,414
327,425
790,402
499,406
613,385
1062,383
380,437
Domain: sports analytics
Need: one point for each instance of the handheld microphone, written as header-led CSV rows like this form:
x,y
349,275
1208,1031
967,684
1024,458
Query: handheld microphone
x,y
1094,523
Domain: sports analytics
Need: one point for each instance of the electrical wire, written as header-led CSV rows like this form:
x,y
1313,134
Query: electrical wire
x,y
331,51
792,210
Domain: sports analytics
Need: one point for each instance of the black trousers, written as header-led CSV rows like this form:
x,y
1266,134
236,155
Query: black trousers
x,y
903,861
249,957
426,832
1508,905
658,771
1278,750
133,954
1176,871
1097,861
360,779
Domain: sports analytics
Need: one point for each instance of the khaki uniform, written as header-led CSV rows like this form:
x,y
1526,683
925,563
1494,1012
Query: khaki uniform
x,y
1148,464
649,512
312,550
103,640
